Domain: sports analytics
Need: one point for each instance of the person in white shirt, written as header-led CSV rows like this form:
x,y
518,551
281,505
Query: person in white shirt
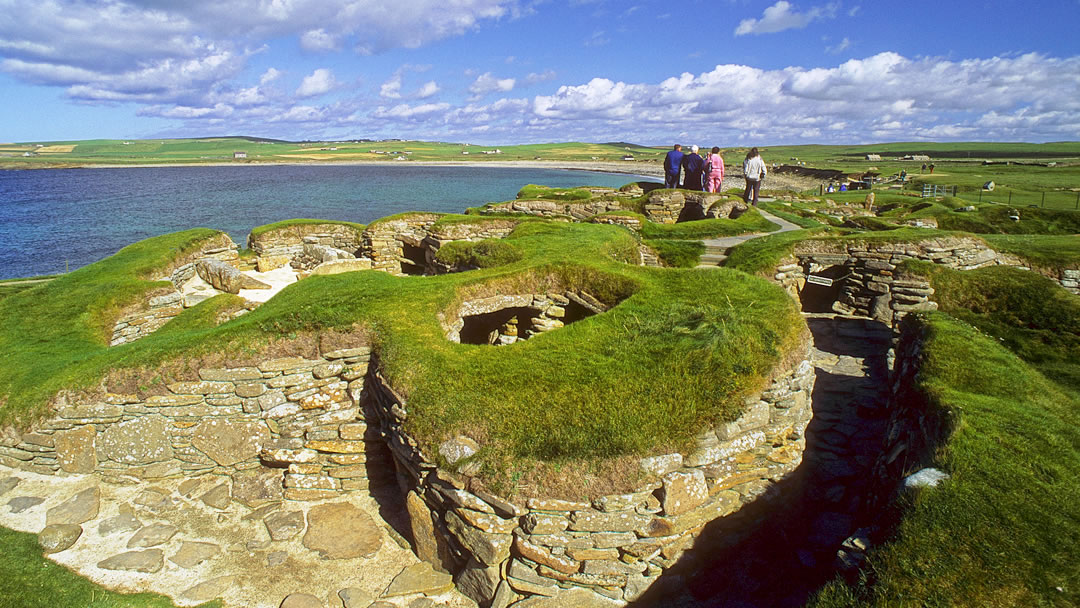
x,y
754,172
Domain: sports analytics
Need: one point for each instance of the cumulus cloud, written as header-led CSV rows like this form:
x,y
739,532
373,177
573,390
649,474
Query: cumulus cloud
x,y
487,83
177,52
427,90
318,82
783,16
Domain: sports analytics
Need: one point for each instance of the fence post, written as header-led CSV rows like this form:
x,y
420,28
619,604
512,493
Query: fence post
x,y
1043,203
1077,200
1010,197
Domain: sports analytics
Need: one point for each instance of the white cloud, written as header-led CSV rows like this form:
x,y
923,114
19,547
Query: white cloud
x,y
319,40
427,90
486,83
407,112
391,89
839,47
317,83
270,75
783,16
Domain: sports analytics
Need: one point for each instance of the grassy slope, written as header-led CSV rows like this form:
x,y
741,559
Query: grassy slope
x,y
1002,361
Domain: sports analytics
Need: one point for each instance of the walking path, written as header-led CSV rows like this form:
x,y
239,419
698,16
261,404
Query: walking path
x,y
716,250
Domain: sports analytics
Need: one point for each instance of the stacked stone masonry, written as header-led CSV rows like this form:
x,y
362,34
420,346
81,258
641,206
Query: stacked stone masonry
x,y
288,427
158,310
504,551
537,314
869,284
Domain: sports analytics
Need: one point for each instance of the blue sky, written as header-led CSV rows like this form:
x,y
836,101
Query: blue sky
x,y
732,72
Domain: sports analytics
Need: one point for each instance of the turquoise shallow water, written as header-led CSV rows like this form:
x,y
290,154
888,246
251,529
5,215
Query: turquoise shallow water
x,y
56,219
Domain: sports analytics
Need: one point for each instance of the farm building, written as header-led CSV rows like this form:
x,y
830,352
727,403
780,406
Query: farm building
x,y
873,157
239,154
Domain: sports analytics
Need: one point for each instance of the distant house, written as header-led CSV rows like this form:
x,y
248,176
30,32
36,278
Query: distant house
x,y
464,151
239,154
875,158
628,157
916,157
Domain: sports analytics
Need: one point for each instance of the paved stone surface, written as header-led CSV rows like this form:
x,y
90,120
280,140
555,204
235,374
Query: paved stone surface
x,y
78,509
152,536
420,578
211,543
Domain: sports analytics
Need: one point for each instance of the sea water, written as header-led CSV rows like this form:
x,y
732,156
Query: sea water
x,y
60,219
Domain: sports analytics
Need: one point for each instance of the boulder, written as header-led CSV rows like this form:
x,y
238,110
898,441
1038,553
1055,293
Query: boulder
x,y
226,278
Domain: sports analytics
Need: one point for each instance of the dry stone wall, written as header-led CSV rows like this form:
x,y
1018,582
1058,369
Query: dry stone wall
x,y
869,284
554,209
502,551
289,241
158,310
288,427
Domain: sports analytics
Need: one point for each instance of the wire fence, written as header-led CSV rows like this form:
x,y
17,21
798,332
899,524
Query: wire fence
x,y
1048,198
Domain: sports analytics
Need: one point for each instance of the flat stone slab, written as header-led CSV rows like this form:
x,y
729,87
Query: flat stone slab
x,y
59,537
283,526
150,560
78,509
193,553
352,597
124,521
22,503
218,496
342,531
152,536
8,484
209,590
419,578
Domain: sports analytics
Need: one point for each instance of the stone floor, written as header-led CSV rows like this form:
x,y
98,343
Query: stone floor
x,y
191,540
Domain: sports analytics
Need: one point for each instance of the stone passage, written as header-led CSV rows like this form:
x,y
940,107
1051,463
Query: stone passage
x,y
502,320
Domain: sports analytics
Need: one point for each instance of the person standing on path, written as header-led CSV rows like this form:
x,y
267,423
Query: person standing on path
x,y
754,172
672,165
715,177
693,169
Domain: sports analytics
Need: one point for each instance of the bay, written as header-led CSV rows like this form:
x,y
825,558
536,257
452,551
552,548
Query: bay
x,y
62,219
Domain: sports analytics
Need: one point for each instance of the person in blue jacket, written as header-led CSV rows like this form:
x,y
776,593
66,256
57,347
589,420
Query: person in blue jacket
x,y
672,165
693,170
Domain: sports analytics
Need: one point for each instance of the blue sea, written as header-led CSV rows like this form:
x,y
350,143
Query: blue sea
x,y
57,220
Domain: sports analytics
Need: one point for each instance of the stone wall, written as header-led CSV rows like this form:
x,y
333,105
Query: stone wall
x,y
867,279
145,318
503,550
408,244
288,427
289,240
554,209
536,314
671,206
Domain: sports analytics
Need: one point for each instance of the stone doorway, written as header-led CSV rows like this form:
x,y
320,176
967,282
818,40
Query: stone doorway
x,y
823,288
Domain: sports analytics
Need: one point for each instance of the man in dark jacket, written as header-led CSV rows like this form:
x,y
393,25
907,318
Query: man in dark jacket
x,y
672,164
694,167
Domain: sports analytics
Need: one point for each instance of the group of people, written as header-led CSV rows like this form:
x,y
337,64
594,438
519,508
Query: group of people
x,y
708,173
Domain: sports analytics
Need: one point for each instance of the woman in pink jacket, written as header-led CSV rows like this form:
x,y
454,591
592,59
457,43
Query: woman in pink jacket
x,y
715,177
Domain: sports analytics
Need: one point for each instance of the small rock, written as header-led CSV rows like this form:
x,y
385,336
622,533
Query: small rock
x,y
457,448
283,526
192,554
209,590
926,478
22,503
78,509
8,484
124,521
276,558
218,497
257,545
352,597
188,487
150,560
58,537
152,499
422,602
152,536
301,600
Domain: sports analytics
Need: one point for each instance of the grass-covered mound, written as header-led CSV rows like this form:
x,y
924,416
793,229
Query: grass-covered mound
x,y
1003,531
300,223
535,192
486,253
678,352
